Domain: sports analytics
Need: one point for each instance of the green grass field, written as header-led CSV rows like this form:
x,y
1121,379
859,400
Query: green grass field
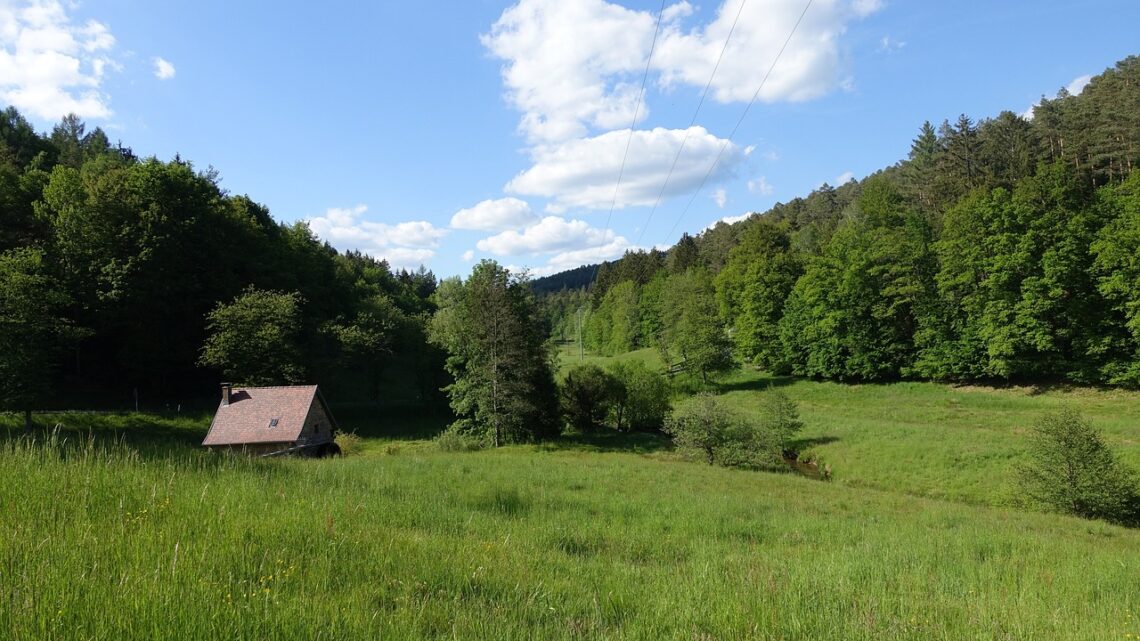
x,y
119,527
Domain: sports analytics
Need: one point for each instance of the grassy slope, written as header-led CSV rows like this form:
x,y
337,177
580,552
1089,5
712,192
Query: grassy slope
x,y
527,543
154,538
941,441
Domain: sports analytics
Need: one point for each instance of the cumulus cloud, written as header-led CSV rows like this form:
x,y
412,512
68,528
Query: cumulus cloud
x,y
50,67
1074,88
163,70
720,197
468,255
844,178
728,220
406,244
551,234
809,67
583,173
572,66
494,215
760,186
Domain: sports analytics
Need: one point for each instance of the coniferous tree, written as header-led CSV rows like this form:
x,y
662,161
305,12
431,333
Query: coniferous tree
x,y
492,330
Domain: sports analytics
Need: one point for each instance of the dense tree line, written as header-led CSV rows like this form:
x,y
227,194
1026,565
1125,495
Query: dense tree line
x,y
1001,249
117,269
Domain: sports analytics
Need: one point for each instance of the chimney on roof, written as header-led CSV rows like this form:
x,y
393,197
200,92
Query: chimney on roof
x,y
226,389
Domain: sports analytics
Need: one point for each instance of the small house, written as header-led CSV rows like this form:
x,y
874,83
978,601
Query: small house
x,y
273,420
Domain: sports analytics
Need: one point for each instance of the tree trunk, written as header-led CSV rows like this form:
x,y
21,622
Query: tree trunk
x,y
28,420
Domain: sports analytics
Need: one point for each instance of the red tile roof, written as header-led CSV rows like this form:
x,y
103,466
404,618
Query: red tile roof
x,y
247,417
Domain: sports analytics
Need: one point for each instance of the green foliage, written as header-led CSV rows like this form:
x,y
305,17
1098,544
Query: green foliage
x,y
254,340
643,401
853,313
705,428
493,332
692,331
587,395
779,418
460,438
1015,284
758,277
1117,268
33,330
1071,470
612,328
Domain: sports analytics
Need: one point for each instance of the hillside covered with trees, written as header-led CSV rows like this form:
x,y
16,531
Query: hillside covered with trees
x,y
115,269
1002,249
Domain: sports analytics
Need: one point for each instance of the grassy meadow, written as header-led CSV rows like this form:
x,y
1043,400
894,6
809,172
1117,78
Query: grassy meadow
x,y
119,527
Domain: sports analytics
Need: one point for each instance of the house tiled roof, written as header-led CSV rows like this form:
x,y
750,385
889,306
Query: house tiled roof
x,y
249,416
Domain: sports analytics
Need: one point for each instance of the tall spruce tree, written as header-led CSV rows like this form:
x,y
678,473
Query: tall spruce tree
x,y
491,328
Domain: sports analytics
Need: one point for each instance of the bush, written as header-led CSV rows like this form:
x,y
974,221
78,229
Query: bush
x,y
587,395
645,399
1071,470
704,428
779,418
349,443
457,440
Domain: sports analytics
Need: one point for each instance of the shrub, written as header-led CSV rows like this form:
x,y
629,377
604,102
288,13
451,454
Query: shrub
x,y
587,395
458,440
704,428
645,399
349,443
1071,470
779,418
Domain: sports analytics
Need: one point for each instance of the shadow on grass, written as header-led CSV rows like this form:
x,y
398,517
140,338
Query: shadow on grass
x,y
755,384
611,441
804,444
403,423
136,429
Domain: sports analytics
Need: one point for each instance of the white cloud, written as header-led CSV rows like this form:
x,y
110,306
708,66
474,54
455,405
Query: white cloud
x,y
771,155
1074,88
810,66
569,65
583,173
720,197
760,186
578,257
468,255
551,234
890,46
494,215
407,244
572,66
728,220
163,70
1078,84
50,67
844,178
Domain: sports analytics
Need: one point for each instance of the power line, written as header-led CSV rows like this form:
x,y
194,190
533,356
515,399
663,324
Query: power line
x,y
692,121
740,120
628,140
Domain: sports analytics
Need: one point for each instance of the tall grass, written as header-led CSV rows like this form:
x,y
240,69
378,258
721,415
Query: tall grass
x,y
101,541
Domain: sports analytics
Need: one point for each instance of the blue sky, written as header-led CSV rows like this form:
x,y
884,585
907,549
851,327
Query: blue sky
x,y
442,133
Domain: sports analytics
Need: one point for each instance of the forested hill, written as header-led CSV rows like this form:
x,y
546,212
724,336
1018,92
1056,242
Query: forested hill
x,y
110,264
999,249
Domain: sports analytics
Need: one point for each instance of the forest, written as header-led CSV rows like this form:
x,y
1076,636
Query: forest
x,y
115,269
1001,250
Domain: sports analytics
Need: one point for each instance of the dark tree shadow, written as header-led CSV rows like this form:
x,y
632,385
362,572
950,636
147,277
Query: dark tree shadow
x,y
611,441
755,385
404,423
804,444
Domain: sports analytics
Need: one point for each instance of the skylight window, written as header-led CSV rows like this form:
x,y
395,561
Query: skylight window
x,y
273,422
